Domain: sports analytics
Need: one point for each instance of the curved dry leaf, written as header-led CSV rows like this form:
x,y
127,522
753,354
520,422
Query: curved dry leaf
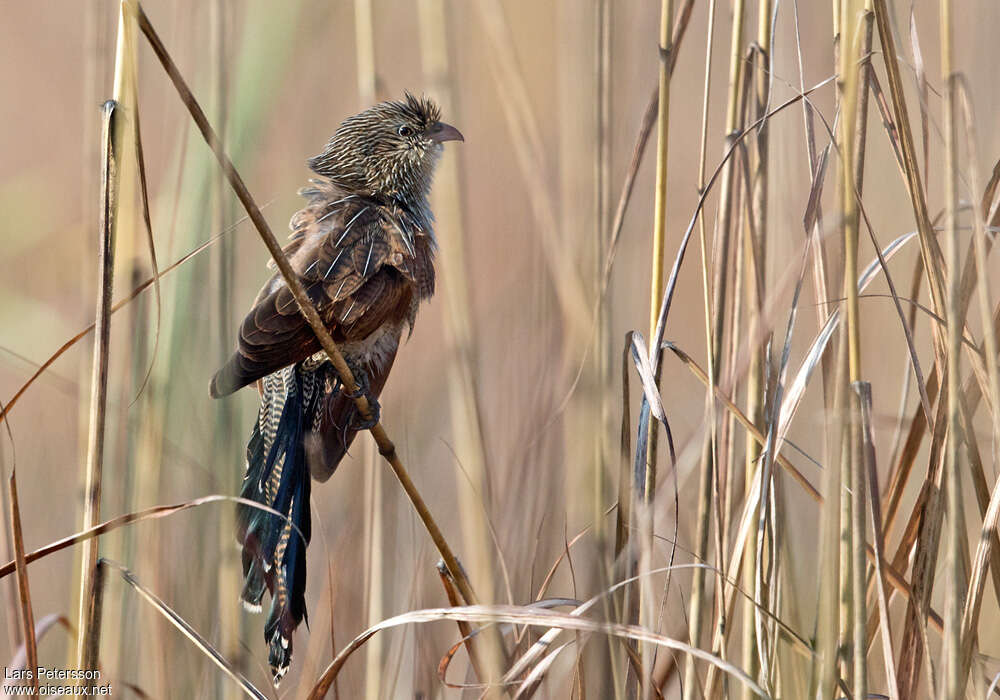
x,y
640,358
534,679
796,389
138,516
180,623
483,614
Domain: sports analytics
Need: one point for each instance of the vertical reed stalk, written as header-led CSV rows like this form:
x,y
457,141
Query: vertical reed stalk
x,y
954,684
608,672
852,519
721,260
754,282
463,389
710,406
647,607
227,429
102,336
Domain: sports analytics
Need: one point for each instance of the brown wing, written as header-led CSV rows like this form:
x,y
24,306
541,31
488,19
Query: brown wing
x,y
358,266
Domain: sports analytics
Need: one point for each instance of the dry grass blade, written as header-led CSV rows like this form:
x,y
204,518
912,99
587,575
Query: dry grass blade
x,y
23,590
640,357
94,613
463,628
986,550
863,396
923,89
484,614
929,247
545,641
180,623
126,93
893,575
113,524
797,388
386,448
955,677
99,378
533,681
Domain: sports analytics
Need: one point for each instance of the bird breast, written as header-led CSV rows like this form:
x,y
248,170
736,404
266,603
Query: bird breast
x,y
376,349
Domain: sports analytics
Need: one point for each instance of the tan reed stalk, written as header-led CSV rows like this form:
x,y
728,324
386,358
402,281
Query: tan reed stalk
x,y
472,468
95,41
721,257
853,570
99,382
662,141
606,677
954,684
386,448
226,443
705,255
23,589
751,572
602,237
647,607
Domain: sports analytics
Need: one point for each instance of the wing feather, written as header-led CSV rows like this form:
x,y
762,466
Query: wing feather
x,y
361,263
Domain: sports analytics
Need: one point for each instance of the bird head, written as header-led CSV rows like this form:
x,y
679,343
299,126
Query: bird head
x,y
389,150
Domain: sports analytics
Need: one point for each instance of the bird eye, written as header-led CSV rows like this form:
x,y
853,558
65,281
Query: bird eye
x,y
404,131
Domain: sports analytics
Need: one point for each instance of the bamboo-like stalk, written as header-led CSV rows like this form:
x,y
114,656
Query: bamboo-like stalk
x,y
752,572
721,257
853,98
646,517
386,448
954,684
662,142
99,387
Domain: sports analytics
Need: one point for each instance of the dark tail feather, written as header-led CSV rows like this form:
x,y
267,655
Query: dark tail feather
x,y
274,547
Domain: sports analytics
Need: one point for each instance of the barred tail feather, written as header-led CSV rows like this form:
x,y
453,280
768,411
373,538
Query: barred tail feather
x,y
277,477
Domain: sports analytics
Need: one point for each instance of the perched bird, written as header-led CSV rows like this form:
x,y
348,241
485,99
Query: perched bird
x,y
363,248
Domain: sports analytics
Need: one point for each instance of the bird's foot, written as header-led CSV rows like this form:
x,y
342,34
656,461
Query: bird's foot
x,y
362,389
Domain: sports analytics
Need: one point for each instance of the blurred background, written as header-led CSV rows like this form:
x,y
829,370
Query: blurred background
x,y
504,404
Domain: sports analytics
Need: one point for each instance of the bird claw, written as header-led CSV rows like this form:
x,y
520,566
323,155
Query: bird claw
x,y
375,411
362,388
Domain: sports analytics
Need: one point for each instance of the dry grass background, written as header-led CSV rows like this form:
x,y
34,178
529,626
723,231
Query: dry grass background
x,y
523,196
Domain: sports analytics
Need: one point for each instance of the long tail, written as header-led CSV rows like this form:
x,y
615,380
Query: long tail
x,y
277,477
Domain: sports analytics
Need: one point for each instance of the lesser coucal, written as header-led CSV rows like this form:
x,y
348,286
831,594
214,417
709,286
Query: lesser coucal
x,y
363,248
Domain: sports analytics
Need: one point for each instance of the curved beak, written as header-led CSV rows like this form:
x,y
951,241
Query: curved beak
x,y
442,132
